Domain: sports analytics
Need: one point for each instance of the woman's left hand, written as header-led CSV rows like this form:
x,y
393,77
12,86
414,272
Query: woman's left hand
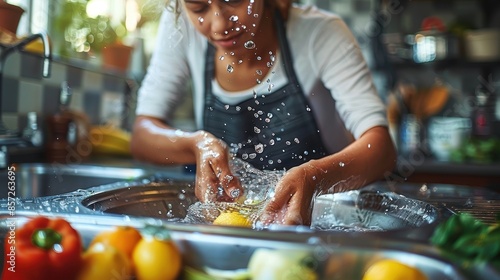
x,y
291,204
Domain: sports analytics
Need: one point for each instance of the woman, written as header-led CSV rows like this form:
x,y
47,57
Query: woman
x,y
290,94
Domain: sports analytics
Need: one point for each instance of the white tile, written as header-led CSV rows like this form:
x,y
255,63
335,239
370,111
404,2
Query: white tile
x,y
92,80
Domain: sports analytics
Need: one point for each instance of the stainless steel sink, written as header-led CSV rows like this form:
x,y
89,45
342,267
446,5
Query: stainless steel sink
x,y
332,255
165,199
44,179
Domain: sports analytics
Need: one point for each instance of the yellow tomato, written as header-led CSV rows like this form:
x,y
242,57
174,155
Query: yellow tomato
x,y
392,270
156,259
123,238
102,261
232,219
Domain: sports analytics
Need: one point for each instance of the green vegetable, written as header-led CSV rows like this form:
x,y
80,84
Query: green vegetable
x,y
468,240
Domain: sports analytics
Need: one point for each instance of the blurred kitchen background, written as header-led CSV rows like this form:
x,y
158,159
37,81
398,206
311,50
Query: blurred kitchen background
x,y
436,64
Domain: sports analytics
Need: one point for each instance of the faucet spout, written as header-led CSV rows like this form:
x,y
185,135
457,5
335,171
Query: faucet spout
x,y
47,51
47,57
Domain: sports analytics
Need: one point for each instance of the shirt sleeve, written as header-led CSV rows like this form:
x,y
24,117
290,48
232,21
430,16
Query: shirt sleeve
x,y
164,84
340,64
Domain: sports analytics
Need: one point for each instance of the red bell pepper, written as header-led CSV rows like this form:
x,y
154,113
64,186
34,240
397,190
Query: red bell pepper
x,y
44,249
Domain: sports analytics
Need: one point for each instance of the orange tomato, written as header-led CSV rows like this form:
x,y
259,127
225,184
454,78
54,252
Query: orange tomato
x,y
156,259
123,238
102,261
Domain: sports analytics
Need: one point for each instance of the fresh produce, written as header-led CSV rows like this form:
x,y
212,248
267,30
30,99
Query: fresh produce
x,y
123,238
44,249
232,219
103,261
390,269
156,256
478,151
468,240
110,140
282,264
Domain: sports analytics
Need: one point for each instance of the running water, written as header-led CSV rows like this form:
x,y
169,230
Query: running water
x,y
258,186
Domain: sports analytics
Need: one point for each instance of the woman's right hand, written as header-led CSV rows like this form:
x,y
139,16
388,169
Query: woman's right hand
x,y
212,170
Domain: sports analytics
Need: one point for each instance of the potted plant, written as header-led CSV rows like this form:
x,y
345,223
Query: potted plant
x,y
10,16
91,36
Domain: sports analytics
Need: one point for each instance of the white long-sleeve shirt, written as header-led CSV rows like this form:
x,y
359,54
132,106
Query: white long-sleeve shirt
x,y
327,61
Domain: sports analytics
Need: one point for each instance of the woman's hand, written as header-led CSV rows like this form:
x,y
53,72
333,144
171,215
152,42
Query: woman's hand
x,y
291,204
214,180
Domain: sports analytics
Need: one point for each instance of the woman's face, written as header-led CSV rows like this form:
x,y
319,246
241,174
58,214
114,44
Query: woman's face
x,y
228,24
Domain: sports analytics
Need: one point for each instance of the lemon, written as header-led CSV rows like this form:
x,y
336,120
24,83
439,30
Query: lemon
x,y
392,270
232,219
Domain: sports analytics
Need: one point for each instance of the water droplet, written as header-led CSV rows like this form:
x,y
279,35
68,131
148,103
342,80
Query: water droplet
x,y
271,142
233,18
259,72
221,57
230,69
200,19
288,143
249,45
237,29
369,146
259,148
255,15
256,129
308,109
226,107
240,61
254,94
259,81
252,155
238,108
244,156
341,164
296,140
259,58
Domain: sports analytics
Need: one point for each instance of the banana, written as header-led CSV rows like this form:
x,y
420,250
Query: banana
x,y
110,140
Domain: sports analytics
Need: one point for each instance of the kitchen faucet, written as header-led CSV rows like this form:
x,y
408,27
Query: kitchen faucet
x,y
6,136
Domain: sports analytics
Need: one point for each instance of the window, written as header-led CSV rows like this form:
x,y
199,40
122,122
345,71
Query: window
x,y
79,29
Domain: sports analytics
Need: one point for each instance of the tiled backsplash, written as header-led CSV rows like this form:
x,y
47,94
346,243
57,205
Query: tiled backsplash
x,y
103,97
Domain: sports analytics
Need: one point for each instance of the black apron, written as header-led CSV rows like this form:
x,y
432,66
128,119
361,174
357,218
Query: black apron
x,y
272,131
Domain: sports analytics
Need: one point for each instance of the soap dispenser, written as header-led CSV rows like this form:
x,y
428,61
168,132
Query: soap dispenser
x,y
58,126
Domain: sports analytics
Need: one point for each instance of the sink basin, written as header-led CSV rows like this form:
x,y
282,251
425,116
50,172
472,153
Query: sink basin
x,y
369,210
44,179
168,199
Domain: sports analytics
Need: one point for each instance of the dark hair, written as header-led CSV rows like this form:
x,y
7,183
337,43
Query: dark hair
x,y
284,5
